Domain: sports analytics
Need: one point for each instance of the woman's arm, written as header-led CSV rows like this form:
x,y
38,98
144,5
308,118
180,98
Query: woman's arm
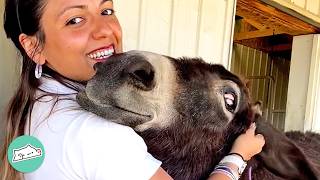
x,y
240,146
246,145
161,174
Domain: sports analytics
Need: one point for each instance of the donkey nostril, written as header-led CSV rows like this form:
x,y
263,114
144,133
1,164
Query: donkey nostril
x,y
143,75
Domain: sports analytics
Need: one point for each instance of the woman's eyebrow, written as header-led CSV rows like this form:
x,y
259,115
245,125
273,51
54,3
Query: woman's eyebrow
x,y
103,1
72,7
79,7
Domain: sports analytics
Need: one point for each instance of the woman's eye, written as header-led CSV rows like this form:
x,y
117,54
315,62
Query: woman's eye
x,y
108,12
74,21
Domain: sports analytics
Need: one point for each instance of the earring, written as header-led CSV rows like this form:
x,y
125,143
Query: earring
x,y
38,71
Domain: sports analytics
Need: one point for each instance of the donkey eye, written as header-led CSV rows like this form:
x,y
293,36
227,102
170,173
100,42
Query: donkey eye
x,y
230,100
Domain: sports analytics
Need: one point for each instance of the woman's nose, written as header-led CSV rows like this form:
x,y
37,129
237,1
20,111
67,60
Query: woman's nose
x,y
102,28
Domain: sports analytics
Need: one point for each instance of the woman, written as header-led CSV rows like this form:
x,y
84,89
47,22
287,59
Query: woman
x,y
66,38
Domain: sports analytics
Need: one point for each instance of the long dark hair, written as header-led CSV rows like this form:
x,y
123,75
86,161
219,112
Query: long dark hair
x,y
23,16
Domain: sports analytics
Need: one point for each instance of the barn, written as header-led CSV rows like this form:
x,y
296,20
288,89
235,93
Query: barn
x,y
274,43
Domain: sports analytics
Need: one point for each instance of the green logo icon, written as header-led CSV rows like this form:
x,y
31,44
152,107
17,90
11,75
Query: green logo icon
x,y
26,154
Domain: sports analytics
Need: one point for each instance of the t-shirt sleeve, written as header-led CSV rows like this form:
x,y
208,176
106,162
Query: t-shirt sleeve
x,y
111,151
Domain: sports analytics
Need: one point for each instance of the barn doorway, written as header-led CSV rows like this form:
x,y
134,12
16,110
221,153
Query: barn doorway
x,y
262,51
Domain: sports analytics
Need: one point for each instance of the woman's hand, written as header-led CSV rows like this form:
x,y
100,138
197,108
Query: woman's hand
x,y
248,144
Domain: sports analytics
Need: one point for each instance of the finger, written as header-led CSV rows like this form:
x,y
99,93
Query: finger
x,y
252,129
260,137
253,125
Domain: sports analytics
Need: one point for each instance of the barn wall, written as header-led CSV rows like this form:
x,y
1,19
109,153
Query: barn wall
x,y
280,69
179,27
269,77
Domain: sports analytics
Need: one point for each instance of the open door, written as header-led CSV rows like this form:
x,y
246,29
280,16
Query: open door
x,y
262,53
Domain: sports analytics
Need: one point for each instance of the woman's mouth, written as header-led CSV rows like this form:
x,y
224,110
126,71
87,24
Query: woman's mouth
x,y
102,53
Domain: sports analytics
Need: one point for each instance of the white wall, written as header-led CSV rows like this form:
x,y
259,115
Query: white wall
x,y
303,103
179,27
8,71
312,119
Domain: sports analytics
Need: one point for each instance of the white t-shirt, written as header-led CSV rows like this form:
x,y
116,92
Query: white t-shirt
x,y
81,145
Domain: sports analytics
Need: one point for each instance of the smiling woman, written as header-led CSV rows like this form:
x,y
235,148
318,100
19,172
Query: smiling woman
x,y
60,42
82,33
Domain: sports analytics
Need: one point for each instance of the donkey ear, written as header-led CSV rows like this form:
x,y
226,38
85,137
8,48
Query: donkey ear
x,y
282,157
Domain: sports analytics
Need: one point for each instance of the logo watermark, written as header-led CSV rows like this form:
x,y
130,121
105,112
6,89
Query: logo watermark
x,y
26,154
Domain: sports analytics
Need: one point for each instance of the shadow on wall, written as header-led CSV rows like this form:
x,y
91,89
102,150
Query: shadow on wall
x,y
9,72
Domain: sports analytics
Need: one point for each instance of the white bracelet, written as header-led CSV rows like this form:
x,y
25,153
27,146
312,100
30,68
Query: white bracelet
x,y
236,160
226,170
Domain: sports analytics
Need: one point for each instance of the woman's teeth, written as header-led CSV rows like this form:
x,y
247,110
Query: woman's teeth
x,y
101,54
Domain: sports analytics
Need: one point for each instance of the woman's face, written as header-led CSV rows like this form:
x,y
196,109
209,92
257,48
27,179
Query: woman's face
x,y
79,33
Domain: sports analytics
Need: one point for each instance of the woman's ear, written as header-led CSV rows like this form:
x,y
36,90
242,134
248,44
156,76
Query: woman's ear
x,y
31,46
